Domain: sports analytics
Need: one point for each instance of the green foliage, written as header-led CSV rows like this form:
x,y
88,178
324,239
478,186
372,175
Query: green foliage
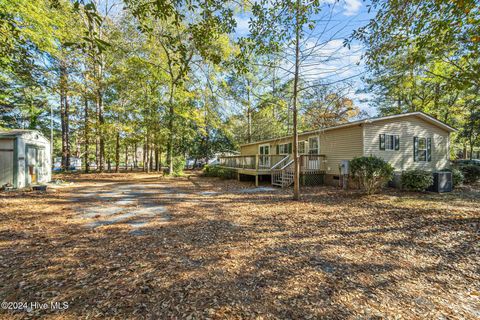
x,y
471,173
217,171
178,166
417,180
424,55
371,173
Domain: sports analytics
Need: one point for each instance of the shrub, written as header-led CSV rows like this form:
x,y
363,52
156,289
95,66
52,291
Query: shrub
x,y
471,172
216,171
417,180
457,176
178,166
371,173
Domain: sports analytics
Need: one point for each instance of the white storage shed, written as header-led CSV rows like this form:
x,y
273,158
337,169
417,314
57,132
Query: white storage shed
x,y
25,158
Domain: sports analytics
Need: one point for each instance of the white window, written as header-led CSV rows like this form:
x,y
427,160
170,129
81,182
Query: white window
x,y
301,147
284,148
389,142
422,149
313,145
264,149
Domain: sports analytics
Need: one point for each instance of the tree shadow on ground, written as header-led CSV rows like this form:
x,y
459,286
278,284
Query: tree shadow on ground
x,y
235,255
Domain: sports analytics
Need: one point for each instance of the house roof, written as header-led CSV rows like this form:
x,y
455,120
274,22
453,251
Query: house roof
x,y
419,114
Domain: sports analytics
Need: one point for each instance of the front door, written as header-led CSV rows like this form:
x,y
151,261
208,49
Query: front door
x,y
313,151
264,159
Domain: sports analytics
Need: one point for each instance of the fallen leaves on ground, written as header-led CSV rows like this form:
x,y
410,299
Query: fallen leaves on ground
x,y
239,255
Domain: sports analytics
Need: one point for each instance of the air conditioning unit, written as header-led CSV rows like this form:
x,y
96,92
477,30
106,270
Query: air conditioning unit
x,y
442,182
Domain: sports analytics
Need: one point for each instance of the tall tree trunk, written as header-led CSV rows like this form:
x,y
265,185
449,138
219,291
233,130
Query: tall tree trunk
x,y
117,152
126,156
296,172
170,128
249,114
144,154
157,165
146,165
64,115
85,137
151,159
100,147
97,136
101,122
160,158
135,160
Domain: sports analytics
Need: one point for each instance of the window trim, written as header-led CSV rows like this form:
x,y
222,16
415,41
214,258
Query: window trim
x,y
318,145
305,144
395,145
427,149
420,150
264,145
287,144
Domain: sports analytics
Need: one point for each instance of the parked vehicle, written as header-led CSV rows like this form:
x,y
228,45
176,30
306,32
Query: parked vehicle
x,y
467,161
75,164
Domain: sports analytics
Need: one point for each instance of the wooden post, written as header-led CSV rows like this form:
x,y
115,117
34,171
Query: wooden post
x,y
238,176
256,180
256,162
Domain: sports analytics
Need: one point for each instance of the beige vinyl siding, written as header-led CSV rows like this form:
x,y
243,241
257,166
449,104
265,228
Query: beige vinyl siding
x,y
407,128
249,150
252,149
336,145
341,144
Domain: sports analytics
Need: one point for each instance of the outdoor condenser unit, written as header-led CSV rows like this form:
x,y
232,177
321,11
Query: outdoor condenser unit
x,y
442,182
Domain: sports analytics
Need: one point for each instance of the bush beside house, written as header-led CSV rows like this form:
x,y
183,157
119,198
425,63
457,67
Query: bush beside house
x,y
471,172
216,171
371,173
416,180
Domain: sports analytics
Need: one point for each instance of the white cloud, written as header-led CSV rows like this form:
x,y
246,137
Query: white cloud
x,y
242,25
331,60
351,7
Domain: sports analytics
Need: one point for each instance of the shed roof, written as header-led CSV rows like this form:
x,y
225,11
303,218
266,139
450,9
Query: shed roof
x,y
419,114
13,132
8,133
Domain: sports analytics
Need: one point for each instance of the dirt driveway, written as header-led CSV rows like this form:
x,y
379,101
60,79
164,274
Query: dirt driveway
x,y
142,246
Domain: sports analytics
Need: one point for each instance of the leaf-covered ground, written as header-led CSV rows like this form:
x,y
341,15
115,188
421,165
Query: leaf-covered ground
x,y
198,248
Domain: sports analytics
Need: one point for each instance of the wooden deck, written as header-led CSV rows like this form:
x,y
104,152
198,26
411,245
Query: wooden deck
x,y
280,167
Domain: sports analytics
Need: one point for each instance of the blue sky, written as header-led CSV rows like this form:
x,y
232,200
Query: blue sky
x,y
326,57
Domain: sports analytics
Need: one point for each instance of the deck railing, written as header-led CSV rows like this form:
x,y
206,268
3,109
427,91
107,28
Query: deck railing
x,y
312,163
309,163
256,162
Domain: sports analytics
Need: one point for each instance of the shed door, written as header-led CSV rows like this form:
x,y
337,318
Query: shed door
x,y
41,165
32,165
6,162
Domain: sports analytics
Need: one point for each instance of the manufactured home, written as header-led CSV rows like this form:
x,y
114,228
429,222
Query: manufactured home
x,y
407,141
24,158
